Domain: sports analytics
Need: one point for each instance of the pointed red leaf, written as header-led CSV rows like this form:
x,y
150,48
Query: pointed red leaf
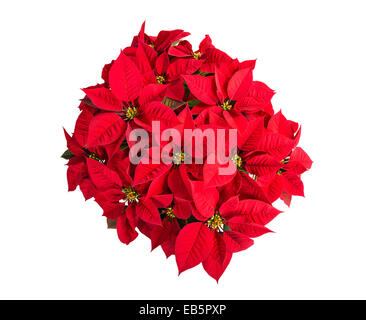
x,y
221,82
159,185
105,128
178,189
259,96
247,64
103,98
183,49
229,206
142,60
262,165
205,43
125,231
286,198
256,211
162,200
276,145
218,259
193,245
252,135
148,172
163,233
74,174
156,111
299,161
114,212
236,241
73,145
182,208
202,88
125,79
150,54
151,92
166,38
252,230
82,127
250,189
162,63
212,178
168,247
88,189
279,124
214,56
102,176
148,212
183,67
239,84
205,199
274,187
294,184
141,35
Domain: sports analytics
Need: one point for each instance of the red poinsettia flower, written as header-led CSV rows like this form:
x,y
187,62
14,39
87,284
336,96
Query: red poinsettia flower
x,y
229,230
184,49
179,193
162,41
120,200
286,182
173,160
128,101
224,91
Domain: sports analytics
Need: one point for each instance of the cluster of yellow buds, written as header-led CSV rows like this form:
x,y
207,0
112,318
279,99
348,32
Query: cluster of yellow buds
x,y
169,212
196,55
226,105
216,222
131,194
94,156
178,158
160,79
237,160
131,112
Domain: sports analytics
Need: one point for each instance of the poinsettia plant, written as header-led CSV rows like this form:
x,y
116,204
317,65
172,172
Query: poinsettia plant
x,y
201,200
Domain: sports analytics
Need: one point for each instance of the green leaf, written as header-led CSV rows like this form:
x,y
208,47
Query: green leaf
x,y
204,74
242,170
124,144
67,155
192,103
176,43
172,104
186,90
226,228
87,101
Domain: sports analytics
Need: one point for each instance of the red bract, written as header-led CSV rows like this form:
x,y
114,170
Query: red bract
x,y
180,200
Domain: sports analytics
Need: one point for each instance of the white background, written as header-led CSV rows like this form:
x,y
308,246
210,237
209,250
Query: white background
x,y
54,245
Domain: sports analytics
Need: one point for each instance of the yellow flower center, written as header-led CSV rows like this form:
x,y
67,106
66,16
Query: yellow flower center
x,y
94,156
216,222
131,112
226,106
160,79
178,158
131,194
169,213
237,160
196,55
151,45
